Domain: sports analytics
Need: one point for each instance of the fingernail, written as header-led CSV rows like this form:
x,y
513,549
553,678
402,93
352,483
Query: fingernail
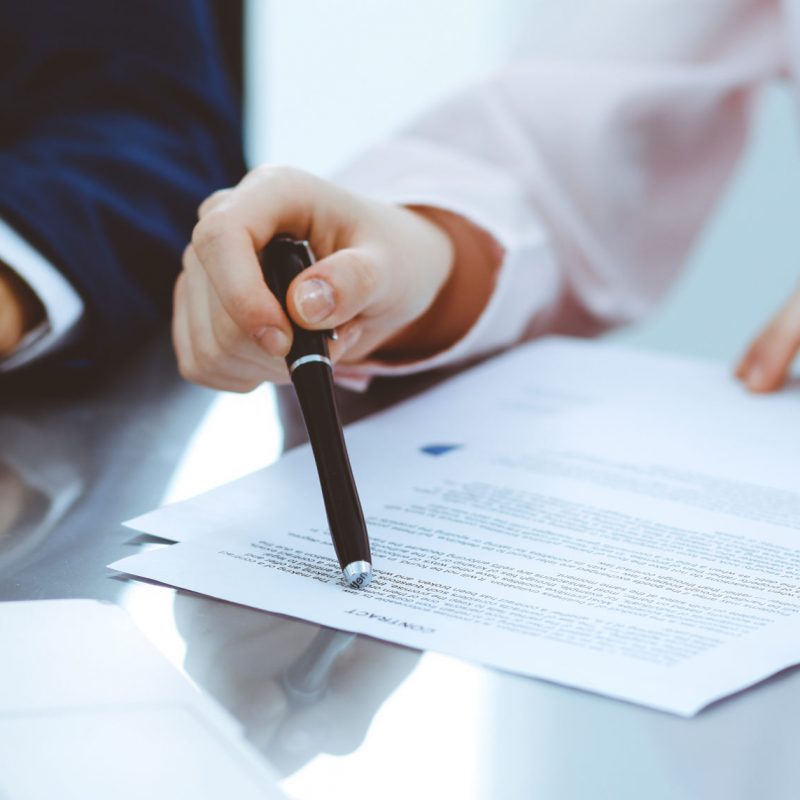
x,y
273,340
756,378
314,300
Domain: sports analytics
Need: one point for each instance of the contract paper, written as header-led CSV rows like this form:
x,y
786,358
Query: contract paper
x,y
623,523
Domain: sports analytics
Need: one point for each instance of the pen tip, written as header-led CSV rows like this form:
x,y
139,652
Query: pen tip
x,y
358,574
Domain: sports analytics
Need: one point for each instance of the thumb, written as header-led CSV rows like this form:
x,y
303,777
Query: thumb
x,y
336,289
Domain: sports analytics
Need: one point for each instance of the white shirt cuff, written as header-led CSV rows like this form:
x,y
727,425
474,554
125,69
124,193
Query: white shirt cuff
x,y
62,304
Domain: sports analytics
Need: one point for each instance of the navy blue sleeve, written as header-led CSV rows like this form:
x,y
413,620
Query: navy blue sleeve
x,y
116,120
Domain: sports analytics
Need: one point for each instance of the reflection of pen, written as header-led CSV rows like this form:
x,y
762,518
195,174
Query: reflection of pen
x,y
311,371
306,680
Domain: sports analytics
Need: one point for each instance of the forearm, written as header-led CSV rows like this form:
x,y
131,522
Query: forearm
x,y
559,154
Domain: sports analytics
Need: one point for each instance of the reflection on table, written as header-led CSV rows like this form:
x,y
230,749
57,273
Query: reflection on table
x,y
40,480
336,713
299,690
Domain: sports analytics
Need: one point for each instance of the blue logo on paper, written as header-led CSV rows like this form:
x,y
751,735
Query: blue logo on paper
x,y
439,449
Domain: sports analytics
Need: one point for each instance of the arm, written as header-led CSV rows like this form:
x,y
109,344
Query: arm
x,y
594,159
117,121
569,189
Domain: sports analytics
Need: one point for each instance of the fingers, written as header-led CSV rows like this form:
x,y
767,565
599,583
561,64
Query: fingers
x,y
199,356
234,227
766,363
337,289
213,351
212,201
210,348
273,336
379,268
226,255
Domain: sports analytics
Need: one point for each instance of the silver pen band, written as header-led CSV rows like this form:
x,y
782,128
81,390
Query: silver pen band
x,y
358,574
309,359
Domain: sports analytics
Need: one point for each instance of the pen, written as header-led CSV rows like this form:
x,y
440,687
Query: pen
x,y
312,375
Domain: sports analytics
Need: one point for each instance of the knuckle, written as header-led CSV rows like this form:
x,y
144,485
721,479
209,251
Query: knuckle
x,y
211,230
266,177
280,180
212,201
276,172
249,314
265,172
207,355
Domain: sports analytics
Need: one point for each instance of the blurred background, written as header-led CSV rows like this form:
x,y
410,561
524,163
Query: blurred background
x,y
302,53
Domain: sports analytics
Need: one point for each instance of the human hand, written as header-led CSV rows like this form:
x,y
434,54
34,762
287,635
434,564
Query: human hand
x,y
765,366
384,278
19,310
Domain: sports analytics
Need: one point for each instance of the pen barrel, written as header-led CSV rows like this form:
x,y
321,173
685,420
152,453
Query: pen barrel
x,y
313,383
282,260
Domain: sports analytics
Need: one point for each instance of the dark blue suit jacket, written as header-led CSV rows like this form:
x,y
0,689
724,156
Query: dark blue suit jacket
x,y
116,120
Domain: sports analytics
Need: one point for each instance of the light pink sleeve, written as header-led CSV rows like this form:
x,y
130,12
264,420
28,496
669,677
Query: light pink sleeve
x,y
593,159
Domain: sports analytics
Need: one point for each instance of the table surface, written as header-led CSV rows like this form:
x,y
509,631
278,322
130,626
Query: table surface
x,y
74,465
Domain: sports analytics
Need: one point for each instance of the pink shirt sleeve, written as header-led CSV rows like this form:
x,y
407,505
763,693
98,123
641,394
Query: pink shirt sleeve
x,y
593,159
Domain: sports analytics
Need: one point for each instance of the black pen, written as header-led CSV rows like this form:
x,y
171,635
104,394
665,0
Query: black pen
x,y
282,260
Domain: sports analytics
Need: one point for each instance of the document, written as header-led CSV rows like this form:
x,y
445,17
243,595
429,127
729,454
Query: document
x,y
90,709
615,521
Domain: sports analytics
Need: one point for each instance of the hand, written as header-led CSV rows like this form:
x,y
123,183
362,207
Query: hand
x,y
20,310
765,366
386,277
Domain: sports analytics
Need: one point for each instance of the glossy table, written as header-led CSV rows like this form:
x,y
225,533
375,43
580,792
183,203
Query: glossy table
x,y
335,714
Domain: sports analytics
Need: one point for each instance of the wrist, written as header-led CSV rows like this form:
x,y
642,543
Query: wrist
x,y
20,310
464,289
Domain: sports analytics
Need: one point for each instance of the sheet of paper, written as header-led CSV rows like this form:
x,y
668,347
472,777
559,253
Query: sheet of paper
x,y
88,697
611,520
